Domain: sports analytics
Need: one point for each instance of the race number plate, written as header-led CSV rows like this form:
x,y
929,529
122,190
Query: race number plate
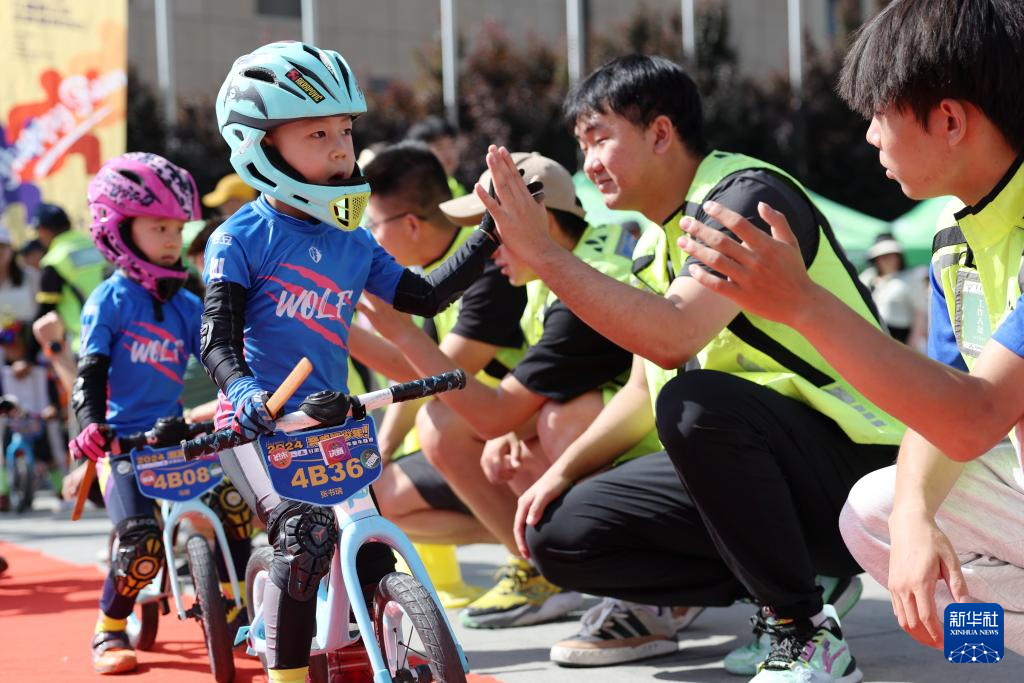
x,y
325,466
164,473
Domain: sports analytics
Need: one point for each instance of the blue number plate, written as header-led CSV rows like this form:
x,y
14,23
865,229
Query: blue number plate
x,y
323,467
164,473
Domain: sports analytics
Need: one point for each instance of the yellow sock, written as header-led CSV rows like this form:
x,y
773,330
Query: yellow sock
x,y
289,675
105,624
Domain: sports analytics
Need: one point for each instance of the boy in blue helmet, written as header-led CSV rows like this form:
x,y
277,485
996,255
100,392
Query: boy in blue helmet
x,y
283,275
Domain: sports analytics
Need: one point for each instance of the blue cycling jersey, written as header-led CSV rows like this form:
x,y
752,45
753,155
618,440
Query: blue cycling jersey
x,y
147,355
303,280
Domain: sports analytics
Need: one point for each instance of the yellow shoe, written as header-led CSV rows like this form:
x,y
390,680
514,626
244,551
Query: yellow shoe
x,y
520,598
443,567
112,653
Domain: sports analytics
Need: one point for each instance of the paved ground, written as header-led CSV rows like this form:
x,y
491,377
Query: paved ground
x,y
885,654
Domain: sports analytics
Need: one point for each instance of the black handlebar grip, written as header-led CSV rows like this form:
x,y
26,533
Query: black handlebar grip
x,y
212,443
428,386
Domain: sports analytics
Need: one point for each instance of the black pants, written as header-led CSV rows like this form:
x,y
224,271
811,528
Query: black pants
x,y
293,619
763,478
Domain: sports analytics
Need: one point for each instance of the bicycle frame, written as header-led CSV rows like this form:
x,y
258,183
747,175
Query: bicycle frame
x,y
173,512
359,522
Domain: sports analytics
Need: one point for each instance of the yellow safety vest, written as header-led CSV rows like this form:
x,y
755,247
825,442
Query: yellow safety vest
x,y
82,267
759,350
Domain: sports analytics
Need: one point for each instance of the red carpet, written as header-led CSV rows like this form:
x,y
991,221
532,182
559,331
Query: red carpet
x,y
47,612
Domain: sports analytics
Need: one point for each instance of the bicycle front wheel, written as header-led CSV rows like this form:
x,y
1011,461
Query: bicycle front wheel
x,y
412,633
211,608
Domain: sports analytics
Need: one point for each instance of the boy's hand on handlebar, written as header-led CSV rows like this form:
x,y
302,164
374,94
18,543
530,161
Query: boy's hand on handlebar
x,y
252,418
327,407
170,430
93,442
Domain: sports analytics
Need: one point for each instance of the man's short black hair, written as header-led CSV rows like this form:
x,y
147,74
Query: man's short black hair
x,y
913,54
409,171
431,129
52,217
642,88
571,224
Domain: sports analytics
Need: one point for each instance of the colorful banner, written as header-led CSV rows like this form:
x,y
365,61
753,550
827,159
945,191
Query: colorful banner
x,y
62,102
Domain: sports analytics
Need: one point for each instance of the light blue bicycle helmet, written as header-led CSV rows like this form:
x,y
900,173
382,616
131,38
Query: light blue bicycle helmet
x,y
283,82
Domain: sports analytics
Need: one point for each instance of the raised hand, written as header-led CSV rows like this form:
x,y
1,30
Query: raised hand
x,y
764,274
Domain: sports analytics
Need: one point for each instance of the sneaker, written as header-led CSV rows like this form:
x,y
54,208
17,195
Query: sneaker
x,y
520,598
804,653
112,653
842,593
615,632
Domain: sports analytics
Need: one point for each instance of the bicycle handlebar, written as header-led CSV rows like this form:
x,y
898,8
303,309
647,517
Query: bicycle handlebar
x,y
419,388
130,442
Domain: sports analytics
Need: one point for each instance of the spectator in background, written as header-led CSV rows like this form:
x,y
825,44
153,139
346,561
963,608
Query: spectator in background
x,y
442,139
229,195
71,269
17,297
32,253
897,294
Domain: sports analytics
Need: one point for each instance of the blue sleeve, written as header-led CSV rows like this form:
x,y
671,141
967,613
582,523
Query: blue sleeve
x,y
941,340
100,323
1011,332
225,258
385,271
195,322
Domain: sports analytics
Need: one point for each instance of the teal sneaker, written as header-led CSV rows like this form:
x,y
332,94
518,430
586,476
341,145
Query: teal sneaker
x,y
804,653
840,592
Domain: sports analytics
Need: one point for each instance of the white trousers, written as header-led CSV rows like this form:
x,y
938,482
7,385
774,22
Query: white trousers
x,y
983,517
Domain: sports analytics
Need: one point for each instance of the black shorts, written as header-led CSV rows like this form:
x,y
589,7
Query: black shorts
x,y
430,484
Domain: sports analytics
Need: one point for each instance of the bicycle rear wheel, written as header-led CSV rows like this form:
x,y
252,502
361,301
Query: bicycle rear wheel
x,y
211,607
22,484
412,633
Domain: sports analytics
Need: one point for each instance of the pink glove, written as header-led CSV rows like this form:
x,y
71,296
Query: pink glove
x,y
93,442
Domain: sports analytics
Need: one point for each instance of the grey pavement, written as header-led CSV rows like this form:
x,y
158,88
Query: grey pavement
x,y
884,653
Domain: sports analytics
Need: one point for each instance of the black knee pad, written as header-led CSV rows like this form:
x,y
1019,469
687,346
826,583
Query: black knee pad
x,y
304,538
229,506
140,554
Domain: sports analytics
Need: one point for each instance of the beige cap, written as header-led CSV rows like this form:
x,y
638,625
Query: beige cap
x,y
559,190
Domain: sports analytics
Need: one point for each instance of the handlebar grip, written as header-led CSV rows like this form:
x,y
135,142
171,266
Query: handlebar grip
x,y
428,386
211,443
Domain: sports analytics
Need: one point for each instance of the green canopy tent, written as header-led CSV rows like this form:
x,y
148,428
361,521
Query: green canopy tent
x,y
855,230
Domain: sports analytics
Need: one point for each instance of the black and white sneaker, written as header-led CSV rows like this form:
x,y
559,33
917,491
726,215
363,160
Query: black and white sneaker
x,y
616,631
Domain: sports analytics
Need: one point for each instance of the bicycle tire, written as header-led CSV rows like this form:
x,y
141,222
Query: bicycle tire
x,y
144,637
212,613
259,561
440,652
22,486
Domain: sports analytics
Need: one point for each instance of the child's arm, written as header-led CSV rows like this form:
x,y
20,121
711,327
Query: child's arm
x,y
428,296
89,397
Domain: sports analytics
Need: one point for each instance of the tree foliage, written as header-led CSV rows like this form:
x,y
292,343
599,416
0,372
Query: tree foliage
x,y
511,93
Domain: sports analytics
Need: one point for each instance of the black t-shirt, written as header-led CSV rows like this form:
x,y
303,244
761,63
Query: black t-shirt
x,y
489,312
570,358
742,191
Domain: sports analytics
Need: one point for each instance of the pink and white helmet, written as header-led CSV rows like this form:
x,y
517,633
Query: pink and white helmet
x,y
140,184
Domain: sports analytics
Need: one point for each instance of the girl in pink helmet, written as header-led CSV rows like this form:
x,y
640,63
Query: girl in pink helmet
x,y
138,329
